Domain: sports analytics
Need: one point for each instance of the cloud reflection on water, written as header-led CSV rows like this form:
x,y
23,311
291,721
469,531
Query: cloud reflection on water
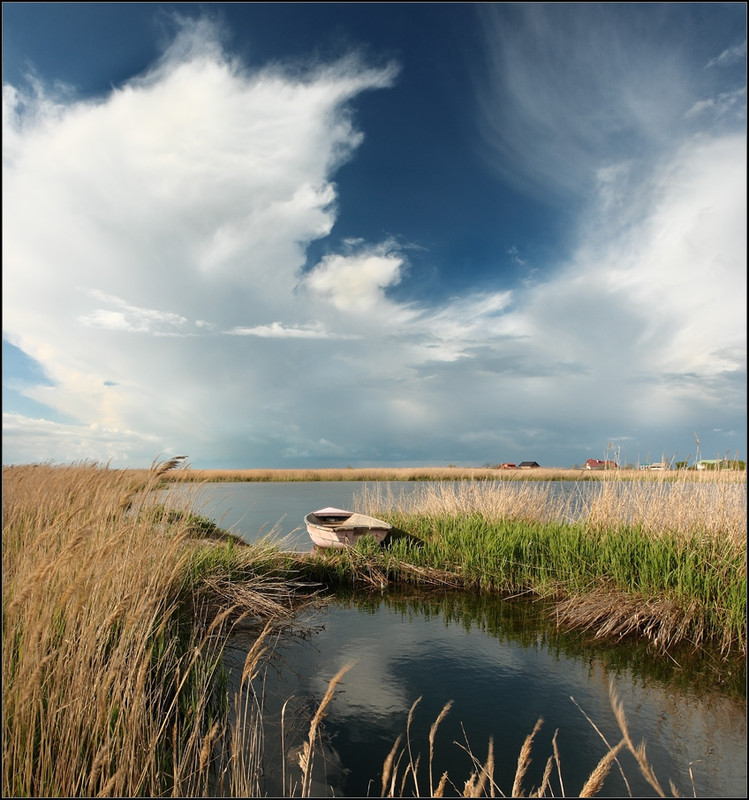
x,y
502,677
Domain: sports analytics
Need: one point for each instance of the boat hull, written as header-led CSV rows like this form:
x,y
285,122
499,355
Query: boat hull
x,y
336,528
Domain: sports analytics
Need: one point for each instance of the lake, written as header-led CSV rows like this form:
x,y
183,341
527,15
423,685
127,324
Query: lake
x,y
502,664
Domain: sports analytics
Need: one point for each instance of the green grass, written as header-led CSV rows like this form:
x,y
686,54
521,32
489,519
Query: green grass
x,y
695,587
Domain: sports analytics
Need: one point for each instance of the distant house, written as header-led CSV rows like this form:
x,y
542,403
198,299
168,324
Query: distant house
x,y
596,463
711,463
508,465
528,465
658,465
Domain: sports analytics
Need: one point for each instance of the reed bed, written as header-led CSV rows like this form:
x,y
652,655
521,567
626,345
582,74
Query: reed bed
x,y
115,615
348,474
711,504
449,473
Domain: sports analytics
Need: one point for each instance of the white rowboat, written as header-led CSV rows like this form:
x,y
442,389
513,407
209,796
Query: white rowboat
x,y
335,527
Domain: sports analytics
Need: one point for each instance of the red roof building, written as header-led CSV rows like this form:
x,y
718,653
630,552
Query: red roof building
x,y
595,463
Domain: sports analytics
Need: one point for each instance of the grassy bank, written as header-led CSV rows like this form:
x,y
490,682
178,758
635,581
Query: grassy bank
x,y
657,559
116,613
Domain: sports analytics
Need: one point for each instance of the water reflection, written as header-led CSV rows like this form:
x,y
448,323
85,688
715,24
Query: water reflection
x,y
503,666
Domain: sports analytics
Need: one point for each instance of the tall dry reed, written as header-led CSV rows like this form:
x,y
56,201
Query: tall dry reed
x,y
448,473
115,617
482,781
346,474
711,504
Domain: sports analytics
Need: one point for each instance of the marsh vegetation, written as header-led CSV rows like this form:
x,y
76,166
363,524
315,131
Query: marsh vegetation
x,y
661,559
117,612
115,617
448,473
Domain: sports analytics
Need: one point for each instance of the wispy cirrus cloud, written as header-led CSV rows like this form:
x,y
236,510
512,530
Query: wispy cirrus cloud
x,y
725,105
572,89
730,56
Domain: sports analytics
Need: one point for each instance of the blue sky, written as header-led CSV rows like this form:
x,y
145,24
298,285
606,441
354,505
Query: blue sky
x,y
321,235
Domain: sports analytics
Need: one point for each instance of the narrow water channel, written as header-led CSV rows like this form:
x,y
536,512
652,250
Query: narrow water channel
x,y
503,666
501,663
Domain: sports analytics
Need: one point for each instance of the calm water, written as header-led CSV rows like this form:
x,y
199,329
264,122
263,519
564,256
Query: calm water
x,y
503,667
253,510
501,664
